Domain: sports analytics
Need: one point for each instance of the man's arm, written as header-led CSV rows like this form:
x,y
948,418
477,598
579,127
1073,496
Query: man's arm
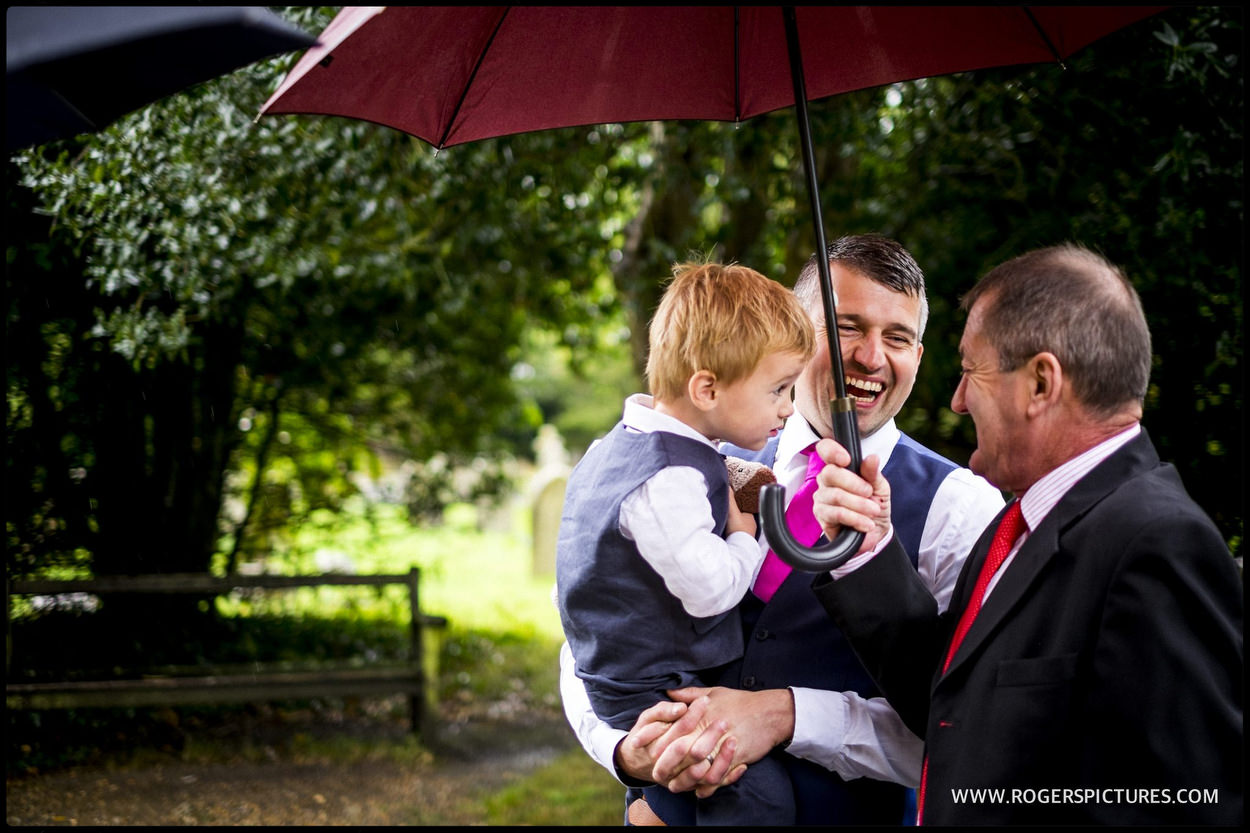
x,y
853,736
856,737
877,599
963,506
596,737
630,756
891,619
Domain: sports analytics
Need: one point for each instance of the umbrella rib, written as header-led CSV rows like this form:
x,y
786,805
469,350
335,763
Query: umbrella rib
x,y
91,122
464,93
1045,37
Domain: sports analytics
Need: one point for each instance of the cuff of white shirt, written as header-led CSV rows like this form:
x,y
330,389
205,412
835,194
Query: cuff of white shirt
x,y
751,542
863,558
748,540
816,716
604,744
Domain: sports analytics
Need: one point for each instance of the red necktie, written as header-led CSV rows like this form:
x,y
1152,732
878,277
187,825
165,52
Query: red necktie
x,y
803,526
1009,529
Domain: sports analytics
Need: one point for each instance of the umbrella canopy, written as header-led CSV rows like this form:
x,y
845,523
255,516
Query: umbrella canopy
x,y
71,69
458,74
452,75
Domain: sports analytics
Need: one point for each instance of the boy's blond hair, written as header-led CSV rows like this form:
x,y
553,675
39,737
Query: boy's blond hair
x,y
724,319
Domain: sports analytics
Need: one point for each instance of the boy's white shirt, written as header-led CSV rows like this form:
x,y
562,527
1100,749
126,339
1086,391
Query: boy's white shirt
x,y
670,520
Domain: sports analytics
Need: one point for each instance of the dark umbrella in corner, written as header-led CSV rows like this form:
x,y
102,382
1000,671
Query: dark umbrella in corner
x,y
73,69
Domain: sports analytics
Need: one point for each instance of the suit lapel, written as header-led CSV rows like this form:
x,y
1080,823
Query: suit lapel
x,y
1136,457
962,593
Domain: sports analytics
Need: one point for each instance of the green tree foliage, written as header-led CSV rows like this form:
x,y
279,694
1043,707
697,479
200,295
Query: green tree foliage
x,y
289,295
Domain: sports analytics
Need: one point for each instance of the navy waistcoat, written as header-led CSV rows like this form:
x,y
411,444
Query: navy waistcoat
x,y
631,638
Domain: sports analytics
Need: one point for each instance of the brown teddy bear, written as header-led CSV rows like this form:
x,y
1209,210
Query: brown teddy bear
x,y
746,479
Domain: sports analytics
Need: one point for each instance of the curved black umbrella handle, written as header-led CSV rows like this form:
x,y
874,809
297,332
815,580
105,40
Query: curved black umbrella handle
x,y
835,553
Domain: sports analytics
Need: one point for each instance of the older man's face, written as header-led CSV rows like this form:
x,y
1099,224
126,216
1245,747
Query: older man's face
x,y
878,330
997,401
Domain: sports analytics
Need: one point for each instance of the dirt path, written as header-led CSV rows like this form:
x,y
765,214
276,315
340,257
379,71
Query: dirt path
x,y
441,783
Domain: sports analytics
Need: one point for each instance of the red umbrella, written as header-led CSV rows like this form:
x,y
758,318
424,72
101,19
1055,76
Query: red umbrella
x,y
451,75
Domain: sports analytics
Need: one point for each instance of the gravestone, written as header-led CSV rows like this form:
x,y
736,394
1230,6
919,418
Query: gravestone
x,y
547,489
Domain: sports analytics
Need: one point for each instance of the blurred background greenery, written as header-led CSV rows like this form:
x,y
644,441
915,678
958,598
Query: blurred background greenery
x,y
273,345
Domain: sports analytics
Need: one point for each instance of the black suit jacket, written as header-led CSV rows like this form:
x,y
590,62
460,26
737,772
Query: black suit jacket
x,y
1102,681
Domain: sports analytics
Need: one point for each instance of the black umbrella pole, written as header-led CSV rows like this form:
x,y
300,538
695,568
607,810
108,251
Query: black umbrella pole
x,y
842,408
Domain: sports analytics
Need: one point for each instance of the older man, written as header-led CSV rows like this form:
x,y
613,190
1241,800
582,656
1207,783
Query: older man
x,y
849,756
1089,667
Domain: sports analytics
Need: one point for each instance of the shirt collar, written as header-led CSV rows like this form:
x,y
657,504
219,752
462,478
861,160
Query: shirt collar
x,y
640,415
1042,496
799,434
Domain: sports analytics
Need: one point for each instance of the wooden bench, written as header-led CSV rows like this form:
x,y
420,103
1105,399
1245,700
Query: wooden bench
x,y
256,682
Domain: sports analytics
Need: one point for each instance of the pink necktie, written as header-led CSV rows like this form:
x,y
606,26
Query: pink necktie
x,y
1009,529
803,526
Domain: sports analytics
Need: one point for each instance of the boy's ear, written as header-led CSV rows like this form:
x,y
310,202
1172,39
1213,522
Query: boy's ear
x,y
702,390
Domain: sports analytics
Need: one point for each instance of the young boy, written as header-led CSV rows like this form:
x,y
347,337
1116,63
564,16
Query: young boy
x,y
653,554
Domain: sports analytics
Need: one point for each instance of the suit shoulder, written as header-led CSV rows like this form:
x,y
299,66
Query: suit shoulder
x,y
1152,513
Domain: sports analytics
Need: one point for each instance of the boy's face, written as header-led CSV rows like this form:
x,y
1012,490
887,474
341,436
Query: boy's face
x,y
756,407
